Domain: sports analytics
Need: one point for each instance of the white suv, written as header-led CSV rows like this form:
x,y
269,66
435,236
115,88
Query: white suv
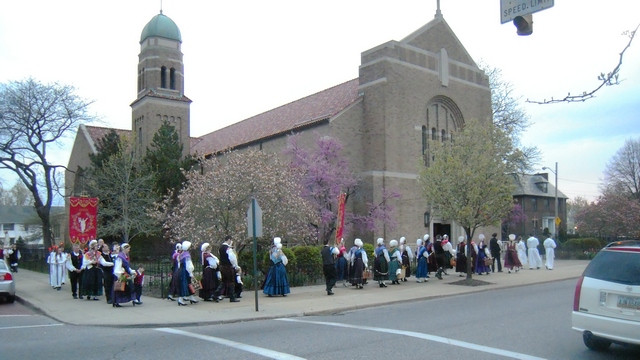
x,y
606,304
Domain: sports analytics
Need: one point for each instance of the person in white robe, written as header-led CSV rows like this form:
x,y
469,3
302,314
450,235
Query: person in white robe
x,y
533,253
549,250
57,267
522,251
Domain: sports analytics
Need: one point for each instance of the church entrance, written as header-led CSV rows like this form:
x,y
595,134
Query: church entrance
x,y
441,229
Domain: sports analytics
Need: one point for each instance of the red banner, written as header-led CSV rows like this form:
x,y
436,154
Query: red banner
x,y
83,216
340,226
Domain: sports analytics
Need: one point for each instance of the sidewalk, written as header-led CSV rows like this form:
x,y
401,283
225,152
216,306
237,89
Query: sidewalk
x,y
33,289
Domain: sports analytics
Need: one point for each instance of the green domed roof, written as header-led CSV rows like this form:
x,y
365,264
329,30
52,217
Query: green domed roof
x,y
161,26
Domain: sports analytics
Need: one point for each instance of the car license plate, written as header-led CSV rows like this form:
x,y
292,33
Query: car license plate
x,y
629,302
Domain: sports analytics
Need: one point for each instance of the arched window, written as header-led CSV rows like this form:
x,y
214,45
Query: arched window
x,y
172,79
433,134
163,77
443,135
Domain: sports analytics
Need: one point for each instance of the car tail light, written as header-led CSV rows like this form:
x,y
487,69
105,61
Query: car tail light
x,y
576,294
6,277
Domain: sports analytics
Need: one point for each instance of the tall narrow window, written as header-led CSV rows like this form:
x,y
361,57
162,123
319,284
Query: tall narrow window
x,y
172,79
433,134
163,77
424,139
443,135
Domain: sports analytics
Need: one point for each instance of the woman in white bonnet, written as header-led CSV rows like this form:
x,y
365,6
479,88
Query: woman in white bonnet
x,y
276,282
511,260
359,261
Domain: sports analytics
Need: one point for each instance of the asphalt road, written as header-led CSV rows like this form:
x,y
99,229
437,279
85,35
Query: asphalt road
x,y
531,322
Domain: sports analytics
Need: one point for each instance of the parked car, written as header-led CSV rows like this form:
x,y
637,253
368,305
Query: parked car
x,y
606,304
7,283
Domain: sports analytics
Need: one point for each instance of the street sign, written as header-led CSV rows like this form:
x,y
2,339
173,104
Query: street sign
x,y
254,219
558,221
509,9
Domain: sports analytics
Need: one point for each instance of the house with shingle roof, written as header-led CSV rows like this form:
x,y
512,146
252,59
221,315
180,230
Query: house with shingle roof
x,y
407,95
536,197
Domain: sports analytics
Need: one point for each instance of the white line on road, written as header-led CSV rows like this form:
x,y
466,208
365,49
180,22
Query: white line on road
x,y
28,326
249,348
418,335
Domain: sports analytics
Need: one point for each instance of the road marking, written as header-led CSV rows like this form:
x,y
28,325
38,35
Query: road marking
x,y
429,337
240,346
28,326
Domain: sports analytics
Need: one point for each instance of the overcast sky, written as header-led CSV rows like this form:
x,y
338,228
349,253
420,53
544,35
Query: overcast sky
x,y
246,57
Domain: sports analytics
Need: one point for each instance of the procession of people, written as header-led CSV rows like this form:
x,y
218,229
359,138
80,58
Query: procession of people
x,y
103,271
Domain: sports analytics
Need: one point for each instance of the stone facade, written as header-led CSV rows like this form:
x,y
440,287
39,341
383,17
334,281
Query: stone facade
x,y
408,94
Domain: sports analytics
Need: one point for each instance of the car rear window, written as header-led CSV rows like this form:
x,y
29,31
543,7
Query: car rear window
x,y
616,266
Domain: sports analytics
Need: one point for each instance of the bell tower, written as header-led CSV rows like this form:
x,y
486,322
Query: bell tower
x,y
160,89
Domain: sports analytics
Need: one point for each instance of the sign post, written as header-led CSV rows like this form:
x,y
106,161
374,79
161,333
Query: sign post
x,y
254,227
510,9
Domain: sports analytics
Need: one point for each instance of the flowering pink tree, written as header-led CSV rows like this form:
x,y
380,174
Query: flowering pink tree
x,y
325,174
214,202
515,217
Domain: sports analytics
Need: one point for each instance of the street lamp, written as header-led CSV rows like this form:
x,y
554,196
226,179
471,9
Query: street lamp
x,y
555,220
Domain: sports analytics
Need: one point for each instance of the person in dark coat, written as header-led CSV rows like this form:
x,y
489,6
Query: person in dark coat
x,y
328,254
494,247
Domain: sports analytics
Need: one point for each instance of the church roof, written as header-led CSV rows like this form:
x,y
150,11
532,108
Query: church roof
x,y
161,26
304,112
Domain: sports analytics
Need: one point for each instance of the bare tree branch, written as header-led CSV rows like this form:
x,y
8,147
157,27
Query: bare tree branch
x,y
611,78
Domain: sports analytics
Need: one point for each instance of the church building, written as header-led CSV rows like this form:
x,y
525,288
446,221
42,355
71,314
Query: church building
x,y
408,94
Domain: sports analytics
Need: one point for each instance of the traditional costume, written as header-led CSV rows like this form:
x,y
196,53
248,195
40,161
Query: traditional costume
x,y
123,272
92,275
511,260
341,264
210,274
74,266
358,260
395,262
185,274
461,257
407,259
533,253
276,282
449,253
175,266
14,257
421,255
107,271
483,253
381,263
440,257
494,248
549,251
328,254
228,270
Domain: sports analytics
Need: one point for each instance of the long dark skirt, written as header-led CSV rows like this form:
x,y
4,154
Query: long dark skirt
x,y
92,282
108,281
407,266
461,263
421,269
341,269
355,273
381,269
210,283
183,281
276,282
127,295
